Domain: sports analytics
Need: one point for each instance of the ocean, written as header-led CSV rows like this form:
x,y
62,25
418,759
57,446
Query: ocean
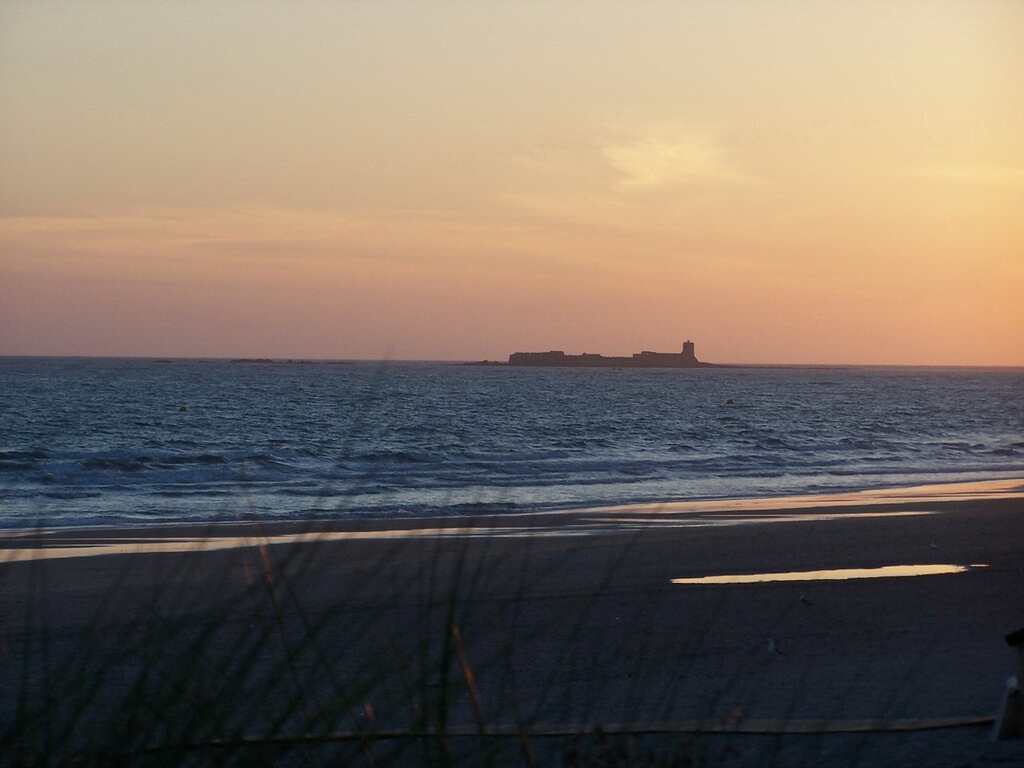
x,y
130,441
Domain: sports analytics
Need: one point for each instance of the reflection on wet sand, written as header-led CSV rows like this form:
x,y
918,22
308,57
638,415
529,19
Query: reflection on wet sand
x,y
58,544
940,492
13,547
717,520
838,574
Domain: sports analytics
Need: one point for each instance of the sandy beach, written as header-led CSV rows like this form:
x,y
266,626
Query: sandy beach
x,y
180,644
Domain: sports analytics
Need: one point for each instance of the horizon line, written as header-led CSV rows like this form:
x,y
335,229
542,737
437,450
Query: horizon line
x,y
479,362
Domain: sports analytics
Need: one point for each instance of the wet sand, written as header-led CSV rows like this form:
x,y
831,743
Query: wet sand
x,y
141,641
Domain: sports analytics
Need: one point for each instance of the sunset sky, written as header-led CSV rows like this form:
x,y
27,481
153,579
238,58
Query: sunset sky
x,y
810,182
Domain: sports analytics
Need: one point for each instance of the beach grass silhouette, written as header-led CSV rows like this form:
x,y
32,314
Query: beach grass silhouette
x,y
258,672
526,639
468,648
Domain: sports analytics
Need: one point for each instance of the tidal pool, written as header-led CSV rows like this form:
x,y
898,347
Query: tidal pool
x,y
838,574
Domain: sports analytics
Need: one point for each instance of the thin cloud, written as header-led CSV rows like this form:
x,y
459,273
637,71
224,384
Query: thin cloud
x,y
670,156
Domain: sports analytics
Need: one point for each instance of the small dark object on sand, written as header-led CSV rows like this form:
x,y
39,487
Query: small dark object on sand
x,y
1009,722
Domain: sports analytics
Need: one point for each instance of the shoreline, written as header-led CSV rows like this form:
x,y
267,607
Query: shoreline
x,y
493,363
18,544
589,618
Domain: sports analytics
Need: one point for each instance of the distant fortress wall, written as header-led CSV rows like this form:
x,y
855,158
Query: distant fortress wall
x,y
558,359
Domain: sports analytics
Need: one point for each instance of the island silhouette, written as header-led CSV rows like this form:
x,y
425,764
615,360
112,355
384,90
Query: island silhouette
x,y
558,359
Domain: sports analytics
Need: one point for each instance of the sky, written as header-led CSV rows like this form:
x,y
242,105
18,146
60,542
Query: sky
x,y
780,182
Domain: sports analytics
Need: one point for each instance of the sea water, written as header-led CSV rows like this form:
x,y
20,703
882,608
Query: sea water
x,y
98,441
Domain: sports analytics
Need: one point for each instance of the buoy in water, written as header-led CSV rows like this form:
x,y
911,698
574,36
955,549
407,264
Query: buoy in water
x,y
183,409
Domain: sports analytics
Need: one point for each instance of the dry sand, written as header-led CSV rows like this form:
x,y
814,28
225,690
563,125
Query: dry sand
x,y
565,620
